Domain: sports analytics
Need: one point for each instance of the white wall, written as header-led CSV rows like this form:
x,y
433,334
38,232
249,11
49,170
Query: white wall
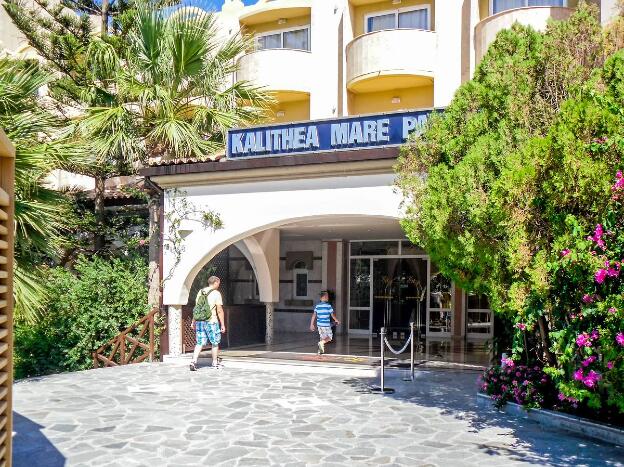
x,y
249,208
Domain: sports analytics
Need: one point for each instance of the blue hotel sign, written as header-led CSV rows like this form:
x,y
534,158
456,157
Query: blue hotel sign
x,y
389,129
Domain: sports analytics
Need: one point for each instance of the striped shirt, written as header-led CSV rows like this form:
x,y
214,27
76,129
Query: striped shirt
x,y
323,312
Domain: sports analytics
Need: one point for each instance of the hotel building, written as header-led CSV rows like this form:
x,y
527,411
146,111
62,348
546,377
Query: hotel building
x,y
307,201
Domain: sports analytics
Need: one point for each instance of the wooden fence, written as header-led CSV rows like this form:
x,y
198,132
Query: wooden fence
x,y
133,345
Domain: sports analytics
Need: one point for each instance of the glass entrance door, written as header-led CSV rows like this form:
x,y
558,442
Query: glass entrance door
x,y
360,296
399,286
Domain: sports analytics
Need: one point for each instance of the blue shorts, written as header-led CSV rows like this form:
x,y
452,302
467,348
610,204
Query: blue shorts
x,y
206,331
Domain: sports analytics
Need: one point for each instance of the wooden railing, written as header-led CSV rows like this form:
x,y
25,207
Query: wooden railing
x,y
129,346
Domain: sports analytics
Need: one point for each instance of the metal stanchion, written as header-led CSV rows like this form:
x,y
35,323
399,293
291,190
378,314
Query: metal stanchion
x,y
412,350
383,389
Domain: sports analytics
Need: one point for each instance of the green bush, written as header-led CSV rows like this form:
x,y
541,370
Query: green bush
x,y
86,308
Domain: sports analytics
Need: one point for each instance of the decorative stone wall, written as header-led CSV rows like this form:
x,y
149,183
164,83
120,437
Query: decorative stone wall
x,y
174,317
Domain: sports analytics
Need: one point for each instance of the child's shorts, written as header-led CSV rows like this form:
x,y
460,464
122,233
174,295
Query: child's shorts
x,y
325,332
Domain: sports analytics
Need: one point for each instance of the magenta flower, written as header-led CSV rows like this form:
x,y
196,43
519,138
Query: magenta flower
x,y
565,252
610,365
589,360
600,276
578,375
583,340
561,396
507,362
613,272
591,379
521,326
587,298
619,182
612,310
619,338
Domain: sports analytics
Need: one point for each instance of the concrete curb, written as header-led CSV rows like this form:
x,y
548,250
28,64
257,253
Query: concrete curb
x,y
558,420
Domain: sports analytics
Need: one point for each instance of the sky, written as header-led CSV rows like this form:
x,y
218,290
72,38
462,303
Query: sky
x,y
217,3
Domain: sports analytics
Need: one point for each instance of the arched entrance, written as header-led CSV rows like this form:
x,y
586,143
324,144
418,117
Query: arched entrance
x,y
245,313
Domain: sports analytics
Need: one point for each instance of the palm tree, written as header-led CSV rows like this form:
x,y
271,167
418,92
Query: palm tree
x,y
174,93
39,210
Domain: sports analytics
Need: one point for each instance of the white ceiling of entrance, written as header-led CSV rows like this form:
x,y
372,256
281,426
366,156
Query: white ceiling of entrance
x,y
349,228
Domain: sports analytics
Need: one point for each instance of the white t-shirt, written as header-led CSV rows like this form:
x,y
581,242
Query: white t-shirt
x,y
214,299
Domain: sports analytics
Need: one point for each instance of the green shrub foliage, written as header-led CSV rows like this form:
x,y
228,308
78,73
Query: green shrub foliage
x,y
86,308
519,168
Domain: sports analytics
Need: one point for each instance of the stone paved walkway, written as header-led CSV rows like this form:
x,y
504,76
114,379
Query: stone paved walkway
x,y
164,415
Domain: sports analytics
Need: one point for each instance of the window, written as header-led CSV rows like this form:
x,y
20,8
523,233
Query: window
x,y
502,5
300,280
298,38
478,316
417,18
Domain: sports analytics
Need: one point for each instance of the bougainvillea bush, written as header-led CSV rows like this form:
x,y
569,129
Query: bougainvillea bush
x,y
589,311
521,202
522,384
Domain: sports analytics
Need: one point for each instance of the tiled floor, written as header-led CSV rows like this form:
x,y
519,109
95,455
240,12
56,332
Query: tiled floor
x,y
294,345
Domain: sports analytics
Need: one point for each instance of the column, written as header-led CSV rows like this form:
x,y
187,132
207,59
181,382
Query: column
x,y
448,73
174,326
268,337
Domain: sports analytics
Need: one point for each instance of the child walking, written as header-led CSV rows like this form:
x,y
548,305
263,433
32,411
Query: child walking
x,y
323,311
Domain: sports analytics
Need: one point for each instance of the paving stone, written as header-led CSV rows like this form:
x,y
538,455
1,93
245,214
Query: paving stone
x,y
161,415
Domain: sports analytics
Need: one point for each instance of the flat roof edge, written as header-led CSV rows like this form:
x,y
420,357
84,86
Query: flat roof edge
x,y
353,155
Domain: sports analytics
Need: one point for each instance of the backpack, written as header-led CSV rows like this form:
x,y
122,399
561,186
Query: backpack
x,y
202,310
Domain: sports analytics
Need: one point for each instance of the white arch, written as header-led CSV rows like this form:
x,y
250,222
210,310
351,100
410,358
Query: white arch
x,y
253,212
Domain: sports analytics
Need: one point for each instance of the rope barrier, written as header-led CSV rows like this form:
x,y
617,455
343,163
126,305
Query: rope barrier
x,y
400,351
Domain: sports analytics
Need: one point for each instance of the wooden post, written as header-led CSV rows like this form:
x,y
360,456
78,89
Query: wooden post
x,y
122,348
151,337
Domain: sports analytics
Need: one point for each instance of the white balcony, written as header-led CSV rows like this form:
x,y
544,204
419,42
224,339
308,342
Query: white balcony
x,y
277,69
537,17
391,59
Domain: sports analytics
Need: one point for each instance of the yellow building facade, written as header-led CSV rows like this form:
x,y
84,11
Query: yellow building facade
x,y
326,59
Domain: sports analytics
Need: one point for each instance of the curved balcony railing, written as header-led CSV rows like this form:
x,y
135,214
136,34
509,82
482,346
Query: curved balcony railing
x,y
274,10
383,54
277,69
537,17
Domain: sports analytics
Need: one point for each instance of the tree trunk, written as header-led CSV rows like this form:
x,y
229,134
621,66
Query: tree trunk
x,y
544,335
154,250
99,238
104,23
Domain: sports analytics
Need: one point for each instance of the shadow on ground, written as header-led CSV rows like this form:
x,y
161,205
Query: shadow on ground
x,y
453,393
31,447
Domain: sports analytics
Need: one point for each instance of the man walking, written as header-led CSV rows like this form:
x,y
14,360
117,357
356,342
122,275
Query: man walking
x,y
208,321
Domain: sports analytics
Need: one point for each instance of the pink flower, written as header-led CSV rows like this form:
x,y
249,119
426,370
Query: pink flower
x,y
594,334
141,242
561,396
619,182
565,252
601,275
589,360
578,374
587,298
521,326
591,379
619,338
507,362
583,340
610,365
612,310
613,272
